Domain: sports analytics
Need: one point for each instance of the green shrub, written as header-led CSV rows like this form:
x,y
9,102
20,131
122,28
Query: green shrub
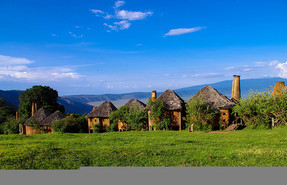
x,y
201,115
10,126
157,114
71,125
114,127
96,128
135,118
163,124
260,108
108,128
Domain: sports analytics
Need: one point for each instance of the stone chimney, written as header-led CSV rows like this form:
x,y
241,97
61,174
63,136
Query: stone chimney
x,y
278,88
235,95
153,95
33,109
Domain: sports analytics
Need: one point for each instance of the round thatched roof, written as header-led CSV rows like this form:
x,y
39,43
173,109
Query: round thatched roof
x,y
55,116
136,103
214,98
171,100
39,116
103,111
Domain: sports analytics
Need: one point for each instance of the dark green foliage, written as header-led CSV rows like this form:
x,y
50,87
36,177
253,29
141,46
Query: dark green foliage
x,y
114,127
108,128
119,114
71,125
261,107
135,118
163,124
201,115
43,96
5,111
96,128
157,114
10,126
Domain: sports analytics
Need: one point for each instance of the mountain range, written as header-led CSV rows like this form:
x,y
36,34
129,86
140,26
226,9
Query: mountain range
x,y
80,104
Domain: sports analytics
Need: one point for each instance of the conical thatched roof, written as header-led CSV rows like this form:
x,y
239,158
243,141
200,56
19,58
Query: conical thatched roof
x,y
214,98
55,116
39,116
136,103
103,111
171,100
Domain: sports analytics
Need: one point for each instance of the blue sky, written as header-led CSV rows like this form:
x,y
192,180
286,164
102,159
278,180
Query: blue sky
x,y
96,47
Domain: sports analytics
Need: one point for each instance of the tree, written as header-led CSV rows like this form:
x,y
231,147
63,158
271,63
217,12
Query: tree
x,y
43,96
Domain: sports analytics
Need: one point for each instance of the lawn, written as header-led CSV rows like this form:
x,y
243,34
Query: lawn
x,y
248,147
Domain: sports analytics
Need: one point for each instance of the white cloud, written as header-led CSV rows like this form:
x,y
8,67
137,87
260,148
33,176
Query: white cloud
x,y
273,63
97,12
130,15
13,68
122,25
211,75
124,15
229,68
282,69
246,67
180,31
8,60
76,36
108,16
119,4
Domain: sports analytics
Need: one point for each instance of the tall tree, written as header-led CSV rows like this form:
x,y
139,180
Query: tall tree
x,y
43,96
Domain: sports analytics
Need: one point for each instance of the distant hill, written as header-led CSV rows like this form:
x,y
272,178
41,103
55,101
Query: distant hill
x,y
12,99
223,87
83,103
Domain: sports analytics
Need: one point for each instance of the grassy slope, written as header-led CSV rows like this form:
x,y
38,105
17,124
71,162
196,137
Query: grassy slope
x,y
155,148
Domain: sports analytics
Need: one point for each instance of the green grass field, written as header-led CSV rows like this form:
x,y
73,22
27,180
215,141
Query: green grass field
x,y
247,147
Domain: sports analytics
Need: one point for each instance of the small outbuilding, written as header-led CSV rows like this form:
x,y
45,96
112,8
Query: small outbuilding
x,y
133,103
174,109
100,115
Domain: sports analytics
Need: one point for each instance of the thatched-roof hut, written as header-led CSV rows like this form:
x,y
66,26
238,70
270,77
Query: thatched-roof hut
x,y
100,115
53,117
132,104
135,103
174,109
216,100
29,126
42,119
